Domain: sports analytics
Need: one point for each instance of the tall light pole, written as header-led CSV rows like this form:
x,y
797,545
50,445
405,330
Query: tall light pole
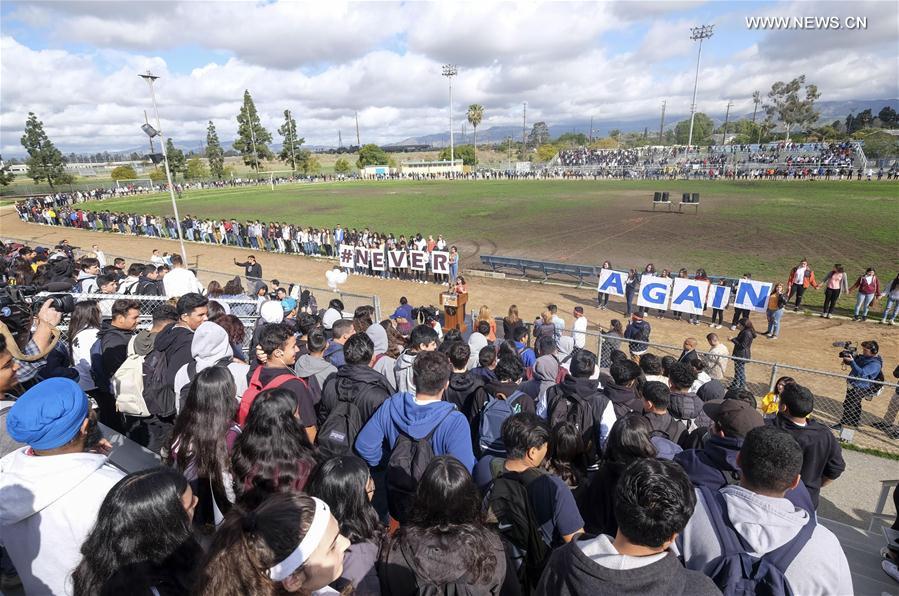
x,y
151,78
449,71
697,34
662,123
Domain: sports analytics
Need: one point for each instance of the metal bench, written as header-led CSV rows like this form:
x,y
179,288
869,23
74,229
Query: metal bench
x,y
689,200
660,199
544,268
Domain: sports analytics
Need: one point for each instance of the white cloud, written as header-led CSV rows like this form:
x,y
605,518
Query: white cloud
x,y
324,62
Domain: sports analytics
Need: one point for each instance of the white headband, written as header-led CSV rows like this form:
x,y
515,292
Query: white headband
x,y
308,544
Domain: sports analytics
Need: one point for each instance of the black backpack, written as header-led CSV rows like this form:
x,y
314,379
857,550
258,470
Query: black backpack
x,y
192,374
337,434
574,409
735,572
508,500
407,463
158,394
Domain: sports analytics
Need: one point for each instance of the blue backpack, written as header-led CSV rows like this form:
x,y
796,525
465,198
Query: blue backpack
x,y
735,572
492,417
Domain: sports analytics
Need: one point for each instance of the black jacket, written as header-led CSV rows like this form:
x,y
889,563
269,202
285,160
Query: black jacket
x,y
588,390
416,560
688,357
623,399
114,346
467,390
366,387
822,456
666,426
743,344
571,572
175,341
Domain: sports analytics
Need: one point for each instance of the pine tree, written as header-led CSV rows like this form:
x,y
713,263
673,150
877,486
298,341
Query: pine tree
x,y
252,139
176,159
291,151
6,176
214,152
45,161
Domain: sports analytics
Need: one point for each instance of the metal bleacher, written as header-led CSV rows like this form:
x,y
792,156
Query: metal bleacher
x,y
544,268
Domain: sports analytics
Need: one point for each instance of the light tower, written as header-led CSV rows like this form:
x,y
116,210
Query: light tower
x,y
449,71
697,34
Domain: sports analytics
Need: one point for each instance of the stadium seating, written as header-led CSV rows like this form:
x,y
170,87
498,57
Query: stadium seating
x,y
546,268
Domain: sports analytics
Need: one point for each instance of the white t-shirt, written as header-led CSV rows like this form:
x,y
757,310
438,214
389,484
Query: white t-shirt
x,y
81,357
800,275
180,281
578,328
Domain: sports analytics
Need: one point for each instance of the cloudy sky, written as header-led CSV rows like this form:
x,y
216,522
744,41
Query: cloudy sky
x,y
75,63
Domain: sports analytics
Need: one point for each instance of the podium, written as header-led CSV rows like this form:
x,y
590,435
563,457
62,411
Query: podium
x,y
454,310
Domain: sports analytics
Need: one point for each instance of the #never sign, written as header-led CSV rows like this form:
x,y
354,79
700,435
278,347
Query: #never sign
x,y
418,260
399,259
440,262
346,256
654,291
377,260
689,295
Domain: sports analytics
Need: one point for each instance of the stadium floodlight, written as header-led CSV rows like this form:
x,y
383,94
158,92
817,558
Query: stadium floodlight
x,y
697,34
152,132
449,71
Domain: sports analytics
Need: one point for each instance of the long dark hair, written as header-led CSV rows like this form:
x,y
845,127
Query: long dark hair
x,y
629,440
198,437
567,454
141,523
273,453
341,483
85,316
249,542
745,323
447,502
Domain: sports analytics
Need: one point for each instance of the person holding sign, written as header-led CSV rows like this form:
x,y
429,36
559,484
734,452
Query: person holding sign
x,y
718,313
776,303
602,298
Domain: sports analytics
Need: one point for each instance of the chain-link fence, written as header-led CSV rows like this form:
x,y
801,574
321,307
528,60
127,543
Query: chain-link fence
x,y
865,409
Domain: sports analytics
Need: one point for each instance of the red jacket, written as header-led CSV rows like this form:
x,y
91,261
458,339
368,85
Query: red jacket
x,y
865,288
807,280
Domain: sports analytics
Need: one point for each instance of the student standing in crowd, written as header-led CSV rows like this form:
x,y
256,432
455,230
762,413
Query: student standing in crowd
x,y
180,280
892,305
739,313
801,277
579,327
484,314
864,368
868,289
510,322
742,350
776,303
717,357
834,284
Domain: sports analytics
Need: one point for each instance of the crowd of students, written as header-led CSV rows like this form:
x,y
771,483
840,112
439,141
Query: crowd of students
x,y
341,454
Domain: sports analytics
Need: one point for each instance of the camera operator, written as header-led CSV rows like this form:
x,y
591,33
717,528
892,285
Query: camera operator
x,y
865,367
44,336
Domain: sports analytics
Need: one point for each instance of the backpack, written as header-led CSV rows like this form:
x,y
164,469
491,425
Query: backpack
x,y
574,409
192,374
159,395
98,372
508,500
255,387
408,460
497,410
128,289
529,370
337,434
79,285
735,572
128,385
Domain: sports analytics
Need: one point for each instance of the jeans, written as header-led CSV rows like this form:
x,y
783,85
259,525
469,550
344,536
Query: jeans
x,y
774,321
830,300
891,305
739,375
862,302
629,294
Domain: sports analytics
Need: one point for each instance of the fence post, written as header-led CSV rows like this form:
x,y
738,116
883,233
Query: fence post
x,y
773,378
377,305
599,347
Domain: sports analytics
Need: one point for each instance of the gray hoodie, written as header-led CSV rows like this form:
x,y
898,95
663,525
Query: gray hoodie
x,y
312,366
766,523
403,372
384,364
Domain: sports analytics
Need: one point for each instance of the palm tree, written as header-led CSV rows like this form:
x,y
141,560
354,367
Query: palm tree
x,y
475,115
756,99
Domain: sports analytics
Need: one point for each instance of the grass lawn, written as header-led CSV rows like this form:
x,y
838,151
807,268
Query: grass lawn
x,y
762,227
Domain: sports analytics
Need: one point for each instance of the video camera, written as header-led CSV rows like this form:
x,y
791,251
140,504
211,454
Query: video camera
x,y
425,314
18,305
849,350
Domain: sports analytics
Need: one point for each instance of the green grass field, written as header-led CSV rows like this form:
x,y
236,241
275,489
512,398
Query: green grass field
x,y
762,227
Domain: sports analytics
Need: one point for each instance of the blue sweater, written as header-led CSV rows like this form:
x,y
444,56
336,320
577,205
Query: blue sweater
x,y
401,413
866,367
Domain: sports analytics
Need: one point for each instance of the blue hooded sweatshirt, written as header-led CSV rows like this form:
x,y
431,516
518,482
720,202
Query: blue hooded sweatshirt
x,y
401,413
334,354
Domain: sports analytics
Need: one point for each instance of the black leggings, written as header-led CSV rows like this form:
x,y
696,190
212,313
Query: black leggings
x,y
830,300
717,316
